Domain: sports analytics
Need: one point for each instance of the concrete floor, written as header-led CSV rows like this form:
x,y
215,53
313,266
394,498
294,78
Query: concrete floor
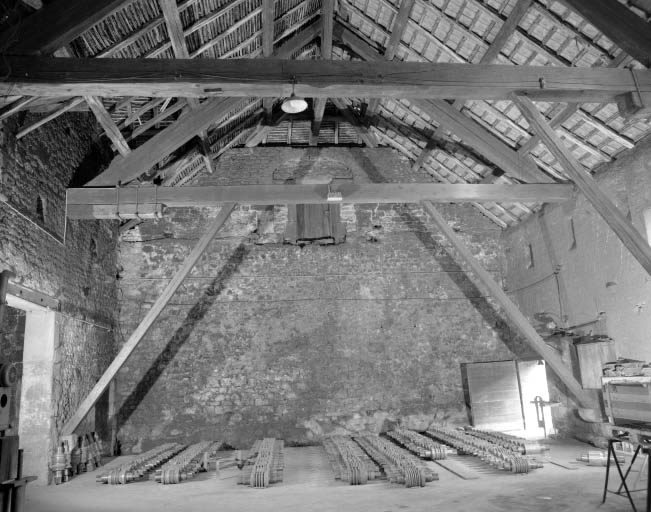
x,y
309,486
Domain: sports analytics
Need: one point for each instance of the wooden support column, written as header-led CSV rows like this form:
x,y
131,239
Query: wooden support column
x,y
493,51
180,48
394,43
319,104
268,14
532,338
625,231
146,323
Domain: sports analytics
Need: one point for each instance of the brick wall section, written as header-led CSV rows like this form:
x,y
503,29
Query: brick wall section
x,y
278,340
603,289
43,164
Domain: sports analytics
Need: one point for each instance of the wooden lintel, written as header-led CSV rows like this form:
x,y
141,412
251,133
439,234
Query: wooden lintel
x,y
622,227
52,77
90,202
531,337
146,323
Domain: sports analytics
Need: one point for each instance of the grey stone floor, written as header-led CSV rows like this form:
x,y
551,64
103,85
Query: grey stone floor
x,y
309,486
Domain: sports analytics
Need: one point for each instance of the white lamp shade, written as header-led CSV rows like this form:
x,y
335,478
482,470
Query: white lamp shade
x,y
294,105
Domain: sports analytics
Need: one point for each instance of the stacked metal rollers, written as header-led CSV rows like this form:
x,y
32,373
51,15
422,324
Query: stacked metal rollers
x,y
399,465
186,464
138,467
418,444
268,466
349,462
493,454
517,444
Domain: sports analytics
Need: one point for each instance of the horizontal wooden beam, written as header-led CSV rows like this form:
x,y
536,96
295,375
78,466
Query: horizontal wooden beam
x,y
111,203
530,336
146,323
46,76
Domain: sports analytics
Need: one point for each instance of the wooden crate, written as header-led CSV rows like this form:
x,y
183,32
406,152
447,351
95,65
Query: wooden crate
x,y
627,400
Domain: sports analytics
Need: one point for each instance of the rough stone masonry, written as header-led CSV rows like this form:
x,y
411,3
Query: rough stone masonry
x,y
270,339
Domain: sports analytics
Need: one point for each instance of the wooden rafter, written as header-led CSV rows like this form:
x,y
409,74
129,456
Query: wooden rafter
x,y
106,203
56,24
530,336
109,127
56,77
394,42
363,131
617,22
180,48
622,227
146,323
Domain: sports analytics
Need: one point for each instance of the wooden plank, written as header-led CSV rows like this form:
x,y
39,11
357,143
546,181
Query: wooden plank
x,y
68,105
58,23
106,122
619,24
146,323
530,336
623,228
141,159
55,77
112,201
174,28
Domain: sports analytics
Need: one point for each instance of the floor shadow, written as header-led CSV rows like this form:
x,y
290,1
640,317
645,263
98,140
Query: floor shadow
x,y
180,337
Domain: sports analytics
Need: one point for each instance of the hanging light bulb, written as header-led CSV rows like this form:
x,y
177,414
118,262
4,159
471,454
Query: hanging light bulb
x,y
294,104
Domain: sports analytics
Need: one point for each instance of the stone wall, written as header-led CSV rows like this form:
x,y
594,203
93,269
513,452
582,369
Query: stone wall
x,y
74,262
268,339
582,275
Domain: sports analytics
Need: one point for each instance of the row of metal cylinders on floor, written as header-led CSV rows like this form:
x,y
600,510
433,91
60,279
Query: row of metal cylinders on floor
x,y
85,456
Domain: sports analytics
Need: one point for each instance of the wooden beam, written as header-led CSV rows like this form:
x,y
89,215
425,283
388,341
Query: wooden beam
x,y
68,105
319,104
424,154
530,336
16,106
146,323
481,139
141,159
174,136
327,24
55,77
109,203
56,24
392,46
625,231
366,135
619,24
106,122
268,46
506,31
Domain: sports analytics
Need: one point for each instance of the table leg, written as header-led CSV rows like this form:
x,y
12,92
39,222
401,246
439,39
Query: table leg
x,y
637,450
610,444
621,475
